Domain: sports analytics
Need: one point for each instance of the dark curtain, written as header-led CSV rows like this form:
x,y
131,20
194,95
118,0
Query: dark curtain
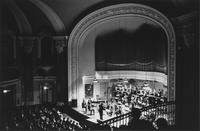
x,y
148,43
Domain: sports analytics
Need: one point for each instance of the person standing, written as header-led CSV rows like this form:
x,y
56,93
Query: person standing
x,y
84,106
89,105
101,108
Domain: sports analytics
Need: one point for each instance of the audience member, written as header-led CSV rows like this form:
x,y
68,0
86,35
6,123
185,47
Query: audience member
x,y
161,124
136,123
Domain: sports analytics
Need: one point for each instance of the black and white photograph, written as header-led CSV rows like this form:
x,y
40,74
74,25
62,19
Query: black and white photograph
x,y
92,65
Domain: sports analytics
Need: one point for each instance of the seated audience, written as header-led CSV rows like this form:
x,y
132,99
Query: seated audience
x,y
41,118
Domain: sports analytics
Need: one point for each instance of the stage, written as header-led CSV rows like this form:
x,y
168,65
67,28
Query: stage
x,y
95,117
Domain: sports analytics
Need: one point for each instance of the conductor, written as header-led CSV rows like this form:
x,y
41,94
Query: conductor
x,y
101,108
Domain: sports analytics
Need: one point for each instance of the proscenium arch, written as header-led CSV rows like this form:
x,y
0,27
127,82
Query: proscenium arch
x,y
110,12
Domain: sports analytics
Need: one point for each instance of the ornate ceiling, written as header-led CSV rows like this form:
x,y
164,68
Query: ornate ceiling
x,y
60,16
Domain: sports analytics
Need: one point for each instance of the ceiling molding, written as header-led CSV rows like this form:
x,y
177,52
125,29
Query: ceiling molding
x,y
185,18
54,19
22,22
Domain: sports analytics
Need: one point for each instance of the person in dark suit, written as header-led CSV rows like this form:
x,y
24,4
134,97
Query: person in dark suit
x,y
136,124
89,105
101,108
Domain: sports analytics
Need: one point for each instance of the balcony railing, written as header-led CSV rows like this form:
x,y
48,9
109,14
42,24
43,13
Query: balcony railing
x,y
164,110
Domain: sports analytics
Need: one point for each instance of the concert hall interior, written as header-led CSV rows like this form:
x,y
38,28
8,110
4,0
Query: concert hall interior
x,y
99,65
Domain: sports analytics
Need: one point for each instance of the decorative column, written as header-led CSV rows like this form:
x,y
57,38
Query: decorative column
x,y
27,44
186,27
61,69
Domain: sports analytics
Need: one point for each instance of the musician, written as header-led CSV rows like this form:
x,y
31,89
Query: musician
x,y
160,92
89,105
84,106
118,110
112,108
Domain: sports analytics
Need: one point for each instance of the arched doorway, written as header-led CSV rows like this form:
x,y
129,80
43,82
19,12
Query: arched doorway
x,y
81,61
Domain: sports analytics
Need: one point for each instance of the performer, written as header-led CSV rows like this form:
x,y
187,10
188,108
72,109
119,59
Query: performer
x,y
89,104
101,108
84,106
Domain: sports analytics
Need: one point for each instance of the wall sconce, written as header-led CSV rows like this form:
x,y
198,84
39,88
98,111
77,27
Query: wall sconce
x,y
45,87
6,91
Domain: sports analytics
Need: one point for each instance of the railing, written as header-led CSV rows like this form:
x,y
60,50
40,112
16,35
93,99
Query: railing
x,y
117,121
165,110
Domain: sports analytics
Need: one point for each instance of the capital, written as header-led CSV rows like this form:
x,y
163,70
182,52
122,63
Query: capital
x,y
60,43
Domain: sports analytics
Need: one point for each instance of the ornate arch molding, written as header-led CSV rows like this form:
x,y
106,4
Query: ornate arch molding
x,y
110,12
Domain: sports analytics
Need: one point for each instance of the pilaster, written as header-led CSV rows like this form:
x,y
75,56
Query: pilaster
x,y
60,43
27,44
